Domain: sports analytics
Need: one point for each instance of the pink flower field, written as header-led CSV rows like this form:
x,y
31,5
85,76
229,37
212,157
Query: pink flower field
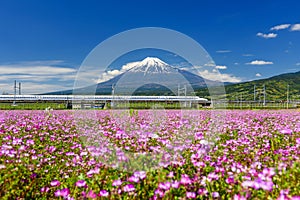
x,y
150,155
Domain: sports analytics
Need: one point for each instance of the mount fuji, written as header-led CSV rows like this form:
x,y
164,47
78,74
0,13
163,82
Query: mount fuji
x,y
152,65
152,74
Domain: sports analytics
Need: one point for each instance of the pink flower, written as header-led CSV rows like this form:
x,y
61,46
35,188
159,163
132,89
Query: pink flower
x,y
269,172
295,198
171,175
81,183
134,179
93,171
185,179
190,195
140,174
215,194
164,186
91,194
202,191
258,183
117,182
103,193
175,184
52,149
55,183
128,188
159,192
45,189
238,197
230,180
286,131
30,142
62,193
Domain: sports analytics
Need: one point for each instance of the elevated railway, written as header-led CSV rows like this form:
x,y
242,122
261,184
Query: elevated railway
x,y
94,100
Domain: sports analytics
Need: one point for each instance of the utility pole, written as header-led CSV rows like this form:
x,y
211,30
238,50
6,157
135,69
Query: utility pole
x,y
113,94
19,88
15,92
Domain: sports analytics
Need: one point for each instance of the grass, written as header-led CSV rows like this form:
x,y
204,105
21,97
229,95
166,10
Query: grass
x,y
32,106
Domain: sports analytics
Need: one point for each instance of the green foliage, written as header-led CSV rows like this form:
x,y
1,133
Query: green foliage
x,y
276,89
32,106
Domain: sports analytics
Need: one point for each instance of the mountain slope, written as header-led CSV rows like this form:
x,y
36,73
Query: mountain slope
x,y
276,88
152,74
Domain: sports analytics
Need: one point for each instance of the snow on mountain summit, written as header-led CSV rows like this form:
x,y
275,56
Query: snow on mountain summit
x,y
152,65
152,61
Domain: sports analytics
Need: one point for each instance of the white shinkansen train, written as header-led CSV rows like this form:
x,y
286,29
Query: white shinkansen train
x,y
99,98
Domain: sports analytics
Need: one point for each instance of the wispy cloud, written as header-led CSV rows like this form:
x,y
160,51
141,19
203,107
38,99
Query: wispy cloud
x,y
260,62
39,88
247,55
37,76
258,75
295,27
115,72
209,64
267,36
221,67
40,68
280,27
35,87
215,76
35,70
298,64
224,51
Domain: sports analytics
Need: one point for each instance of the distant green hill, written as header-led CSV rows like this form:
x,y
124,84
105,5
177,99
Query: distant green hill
x,y
276,89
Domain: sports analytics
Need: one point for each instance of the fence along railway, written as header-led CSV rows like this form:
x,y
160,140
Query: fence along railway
x,y
100,101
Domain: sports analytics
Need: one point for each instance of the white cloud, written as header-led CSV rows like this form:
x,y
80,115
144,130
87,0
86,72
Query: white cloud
x,y
298,64
295,27
215,76
37,76
259,62
258,75
67,77
267,36
280,27
38,88
221,67
247,55
223,51
209,64
48,68
25,77
88,76
35,70
34,87
105,76
129,66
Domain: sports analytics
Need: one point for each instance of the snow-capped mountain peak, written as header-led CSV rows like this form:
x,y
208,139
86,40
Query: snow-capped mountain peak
x,y
152,61
152,65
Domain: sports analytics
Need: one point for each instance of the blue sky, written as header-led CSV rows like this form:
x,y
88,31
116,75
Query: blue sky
x,y
43,43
